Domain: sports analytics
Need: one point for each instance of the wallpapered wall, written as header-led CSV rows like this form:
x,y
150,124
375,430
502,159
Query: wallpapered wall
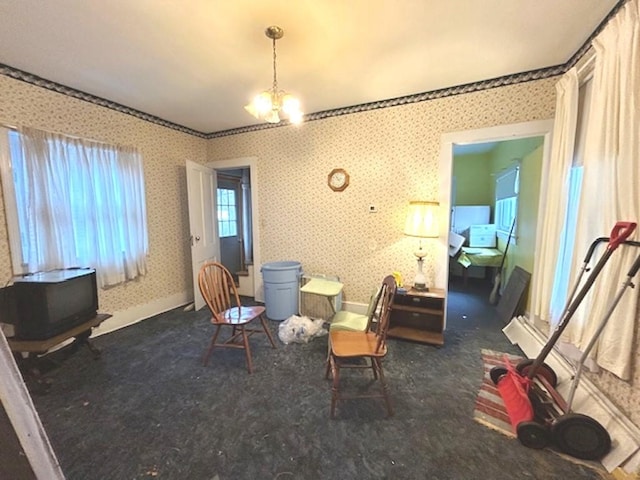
x,y
164,153
391,154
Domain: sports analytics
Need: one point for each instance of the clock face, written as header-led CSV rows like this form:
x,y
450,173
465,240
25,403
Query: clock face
x,y
338,179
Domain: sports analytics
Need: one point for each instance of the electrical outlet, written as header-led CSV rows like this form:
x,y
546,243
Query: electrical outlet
x,y
373,209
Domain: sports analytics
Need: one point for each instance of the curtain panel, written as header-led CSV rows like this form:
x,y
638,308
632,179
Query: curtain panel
x,y
80,204
611,189
556,187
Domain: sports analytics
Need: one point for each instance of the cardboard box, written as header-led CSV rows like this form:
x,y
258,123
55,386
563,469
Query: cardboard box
x,y
482,236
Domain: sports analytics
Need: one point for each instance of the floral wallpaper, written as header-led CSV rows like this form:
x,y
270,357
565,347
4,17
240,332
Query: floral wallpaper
x,y
164,152
391,154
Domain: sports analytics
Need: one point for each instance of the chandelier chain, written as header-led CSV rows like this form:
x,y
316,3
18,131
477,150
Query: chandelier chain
x,y
275,81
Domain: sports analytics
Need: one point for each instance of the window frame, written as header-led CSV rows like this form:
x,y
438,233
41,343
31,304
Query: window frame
x,y
506,201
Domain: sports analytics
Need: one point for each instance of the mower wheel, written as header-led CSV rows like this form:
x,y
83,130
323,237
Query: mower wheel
x,y
533,435
544,371
496,373
581,436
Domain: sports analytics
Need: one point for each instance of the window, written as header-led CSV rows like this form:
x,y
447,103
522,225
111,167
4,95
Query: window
x,y
506,207
227,216
73,203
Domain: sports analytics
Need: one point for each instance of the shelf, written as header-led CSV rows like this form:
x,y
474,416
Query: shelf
x,y
422,336
41,346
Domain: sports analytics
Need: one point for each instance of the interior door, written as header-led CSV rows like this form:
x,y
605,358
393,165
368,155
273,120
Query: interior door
x,y
201,193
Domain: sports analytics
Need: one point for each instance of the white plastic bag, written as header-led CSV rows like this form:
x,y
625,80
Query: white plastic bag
x,y
297,329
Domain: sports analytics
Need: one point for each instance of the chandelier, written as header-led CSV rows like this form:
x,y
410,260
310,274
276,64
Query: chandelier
x,y
271,104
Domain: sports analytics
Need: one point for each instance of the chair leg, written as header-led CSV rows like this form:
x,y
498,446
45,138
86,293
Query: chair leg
x,y
265,326
385,387
247,349
212,344
375,367
328,369
327,361
335,387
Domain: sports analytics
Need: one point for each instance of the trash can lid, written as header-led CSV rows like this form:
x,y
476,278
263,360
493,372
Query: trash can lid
x,y
287,265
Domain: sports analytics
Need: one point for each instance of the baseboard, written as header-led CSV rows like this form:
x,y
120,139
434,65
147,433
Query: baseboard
x,y
588,399
138,313
246,282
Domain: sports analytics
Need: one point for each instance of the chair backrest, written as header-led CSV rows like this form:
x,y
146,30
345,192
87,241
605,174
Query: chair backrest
x,y
218,289
387,292
372,309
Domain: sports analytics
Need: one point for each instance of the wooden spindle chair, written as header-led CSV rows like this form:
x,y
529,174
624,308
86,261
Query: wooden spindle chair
x,y
347,346
219,291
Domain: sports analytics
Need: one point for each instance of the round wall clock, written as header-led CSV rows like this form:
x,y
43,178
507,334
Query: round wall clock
x,y
338,179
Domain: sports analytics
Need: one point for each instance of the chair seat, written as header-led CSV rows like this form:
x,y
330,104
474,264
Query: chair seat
x,y
345,320
345,343
240,315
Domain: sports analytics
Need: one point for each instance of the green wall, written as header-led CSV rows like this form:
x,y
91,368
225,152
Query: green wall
x,y
472,174
529,152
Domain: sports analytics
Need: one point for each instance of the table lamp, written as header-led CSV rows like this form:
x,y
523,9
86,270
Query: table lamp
x,y
422,222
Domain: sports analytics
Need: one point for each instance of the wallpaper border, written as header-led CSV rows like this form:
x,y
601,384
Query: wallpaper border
x,y
87,97
512,79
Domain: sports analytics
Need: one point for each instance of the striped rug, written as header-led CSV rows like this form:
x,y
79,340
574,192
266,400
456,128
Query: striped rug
x,y
489,409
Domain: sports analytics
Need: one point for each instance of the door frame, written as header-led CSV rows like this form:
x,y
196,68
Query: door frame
x,y
252,164
499,133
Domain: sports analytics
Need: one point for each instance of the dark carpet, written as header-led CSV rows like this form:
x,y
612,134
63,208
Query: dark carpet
x,y
149,409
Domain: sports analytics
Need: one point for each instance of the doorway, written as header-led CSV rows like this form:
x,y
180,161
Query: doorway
x,y
240,250
231,206
464,140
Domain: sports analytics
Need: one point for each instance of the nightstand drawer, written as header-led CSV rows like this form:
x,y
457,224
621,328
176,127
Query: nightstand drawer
x,y
434,303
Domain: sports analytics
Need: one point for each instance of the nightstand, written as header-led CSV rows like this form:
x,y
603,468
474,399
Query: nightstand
x,y
418,316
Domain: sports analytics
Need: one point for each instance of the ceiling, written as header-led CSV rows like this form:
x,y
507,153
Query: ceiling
x,y
196,63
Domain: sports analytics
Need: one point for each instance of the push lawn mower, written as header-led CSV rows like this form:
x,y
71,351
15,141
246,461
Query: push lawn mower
x,y
537,412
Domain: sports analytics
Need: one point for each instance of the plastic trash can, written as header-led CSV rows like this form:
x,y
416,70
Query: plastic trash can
x,y
281,284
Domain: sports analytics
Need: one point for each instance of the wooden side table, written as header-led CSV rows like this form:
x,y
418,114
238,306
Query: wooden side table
x,y
80,334
418,316
27,353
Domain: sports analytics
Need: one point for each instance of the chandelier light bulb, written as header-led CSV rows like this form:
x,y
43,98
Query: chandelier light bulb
x,y
263,103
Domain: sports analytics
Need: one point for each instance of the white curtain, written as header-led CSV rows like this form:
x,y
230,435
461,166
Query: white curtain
x,y
611,189
80,204
555,185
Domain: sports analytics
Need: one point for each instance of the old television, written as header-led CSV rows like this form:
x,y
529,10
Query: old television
x,y
43,305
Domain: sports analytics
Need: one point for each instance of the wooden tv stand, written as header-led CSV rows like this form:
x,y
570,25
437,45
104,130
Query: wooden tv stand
x,y
80,334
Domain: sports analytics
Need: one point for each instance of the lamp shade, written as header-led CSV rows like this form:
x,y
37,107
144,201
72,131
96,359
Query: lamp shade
x,y
422,219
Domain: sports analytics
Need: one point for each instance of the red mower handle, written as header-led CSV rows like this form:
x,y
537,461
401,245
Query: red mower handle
x,y
620,233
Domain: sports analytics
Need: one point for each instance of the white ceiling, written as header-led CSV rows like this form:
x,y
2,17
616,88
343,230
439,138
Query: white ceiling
x,y
196,63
